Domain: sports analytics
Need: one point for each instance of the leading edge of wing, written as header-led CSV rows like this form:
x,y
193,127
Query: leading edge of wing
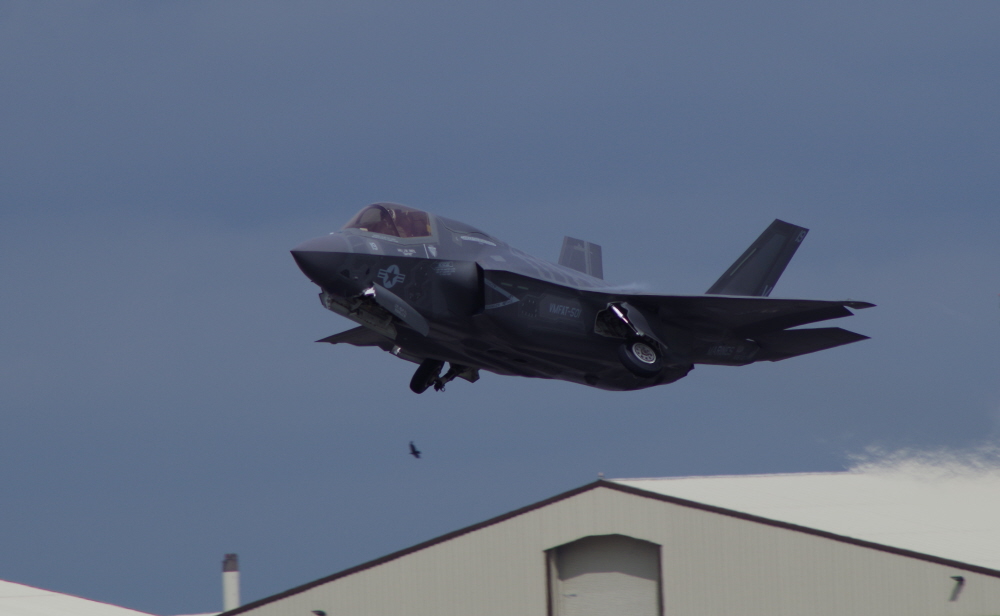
x,y
746,315
359,337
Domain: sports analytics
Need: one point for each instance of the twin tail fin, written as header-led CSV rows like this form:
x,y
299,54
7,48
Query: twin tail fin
x,y
757,270
582,256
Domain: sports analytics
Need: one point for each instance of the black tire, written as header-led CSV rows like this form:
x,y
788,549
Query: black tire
x,y
641,358
426,374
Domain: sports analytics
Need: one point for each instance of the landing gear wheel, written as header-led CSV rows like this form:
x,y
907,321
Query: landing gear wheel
x,y
641,358
426,375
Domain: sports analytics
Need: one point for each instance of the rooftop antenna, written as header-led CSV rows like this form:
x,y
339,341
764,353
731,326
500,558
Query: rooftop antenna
x,y
230,583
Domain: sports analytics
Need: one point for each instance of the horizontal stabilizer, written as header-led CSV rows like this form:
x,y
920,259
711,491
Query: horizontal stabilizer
x,y
775,346
758,269
359,337
582,256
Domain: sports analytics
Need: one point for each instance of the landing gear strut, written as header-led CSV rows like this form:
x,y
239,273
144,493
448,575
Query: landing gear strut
x,y
453,372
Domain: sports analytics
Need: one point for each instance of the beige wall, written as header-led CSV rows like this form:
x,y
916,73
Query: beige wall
x,y
712,564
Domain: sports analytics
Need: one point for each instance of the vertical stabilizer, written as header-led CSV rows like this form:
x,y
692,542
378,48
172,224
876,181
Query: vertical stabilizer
x,y
582,256
758,269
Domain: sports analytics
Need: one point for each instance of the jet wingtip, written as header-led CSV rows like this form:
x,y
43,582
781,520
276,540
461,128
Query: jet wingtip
x,y
858,305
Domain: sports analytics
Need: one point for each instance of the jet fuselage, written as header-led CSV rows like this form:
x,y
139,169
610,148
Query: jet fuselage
x,y
429,289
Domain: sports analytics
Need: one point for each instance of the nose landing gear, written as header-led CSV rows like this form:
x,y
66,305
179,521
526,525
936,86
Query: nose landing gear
x,y
429,373
426,375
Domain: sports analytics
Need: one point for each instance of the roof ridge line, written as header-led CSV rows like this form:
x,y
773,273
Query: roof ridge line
x,y
626,489
789,474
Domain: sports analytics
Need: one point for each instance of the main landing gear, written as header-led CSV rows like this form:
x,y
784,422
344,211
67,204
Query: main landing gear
x,y
429,373
641,358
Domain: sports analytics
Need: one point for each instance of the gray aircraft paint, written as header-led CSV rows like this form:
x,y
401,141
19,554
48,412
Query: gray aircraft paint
x,y
455,294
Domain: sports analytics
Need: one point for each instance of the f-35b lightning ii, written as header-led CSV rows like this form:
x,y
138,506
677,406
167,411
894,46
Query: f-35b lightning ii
x,y
435,291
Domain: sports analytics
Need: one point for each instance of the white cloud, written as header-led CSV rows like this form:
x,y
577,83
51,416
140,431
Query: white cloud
x,y
936,463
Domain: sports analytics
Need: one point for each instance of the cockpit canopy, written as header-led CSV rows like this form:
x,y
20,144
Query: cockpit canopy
x,y
392,219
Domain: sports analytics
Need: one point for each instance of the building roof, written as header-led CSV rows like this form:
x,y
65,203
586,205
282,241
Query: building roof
x,y
21,600
906,515
954,516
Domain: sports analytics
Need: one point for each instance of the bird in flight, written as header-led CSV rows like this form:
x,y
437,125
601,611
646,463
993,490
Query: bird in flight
x,y
414,451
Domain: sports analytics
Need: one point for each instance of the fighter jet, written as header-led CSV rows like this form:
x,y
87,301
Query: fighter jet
x,y
436,291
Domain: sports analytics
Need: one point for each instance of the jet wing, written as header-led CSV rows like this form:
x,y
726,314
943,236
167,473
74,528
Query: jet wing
x,y
739,315
364,337
744,316
359,337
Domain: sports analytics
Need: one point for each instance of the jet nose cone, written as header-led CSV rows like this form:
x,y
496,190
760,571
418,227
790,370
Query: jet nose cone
x,y
321,257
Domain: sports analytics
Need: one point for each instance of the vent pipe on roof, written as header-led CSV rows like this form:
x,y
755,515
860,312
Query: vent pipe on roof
x,y
230,583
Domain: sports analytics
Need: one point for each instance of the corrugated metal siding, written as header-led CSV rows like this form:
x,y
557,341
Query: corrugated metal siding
x,y
21,600
925,510
712,563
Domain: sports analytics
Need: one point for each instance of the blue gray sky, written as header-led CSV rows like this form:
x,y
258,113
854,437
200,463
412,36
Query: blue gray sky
x,y
161,397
